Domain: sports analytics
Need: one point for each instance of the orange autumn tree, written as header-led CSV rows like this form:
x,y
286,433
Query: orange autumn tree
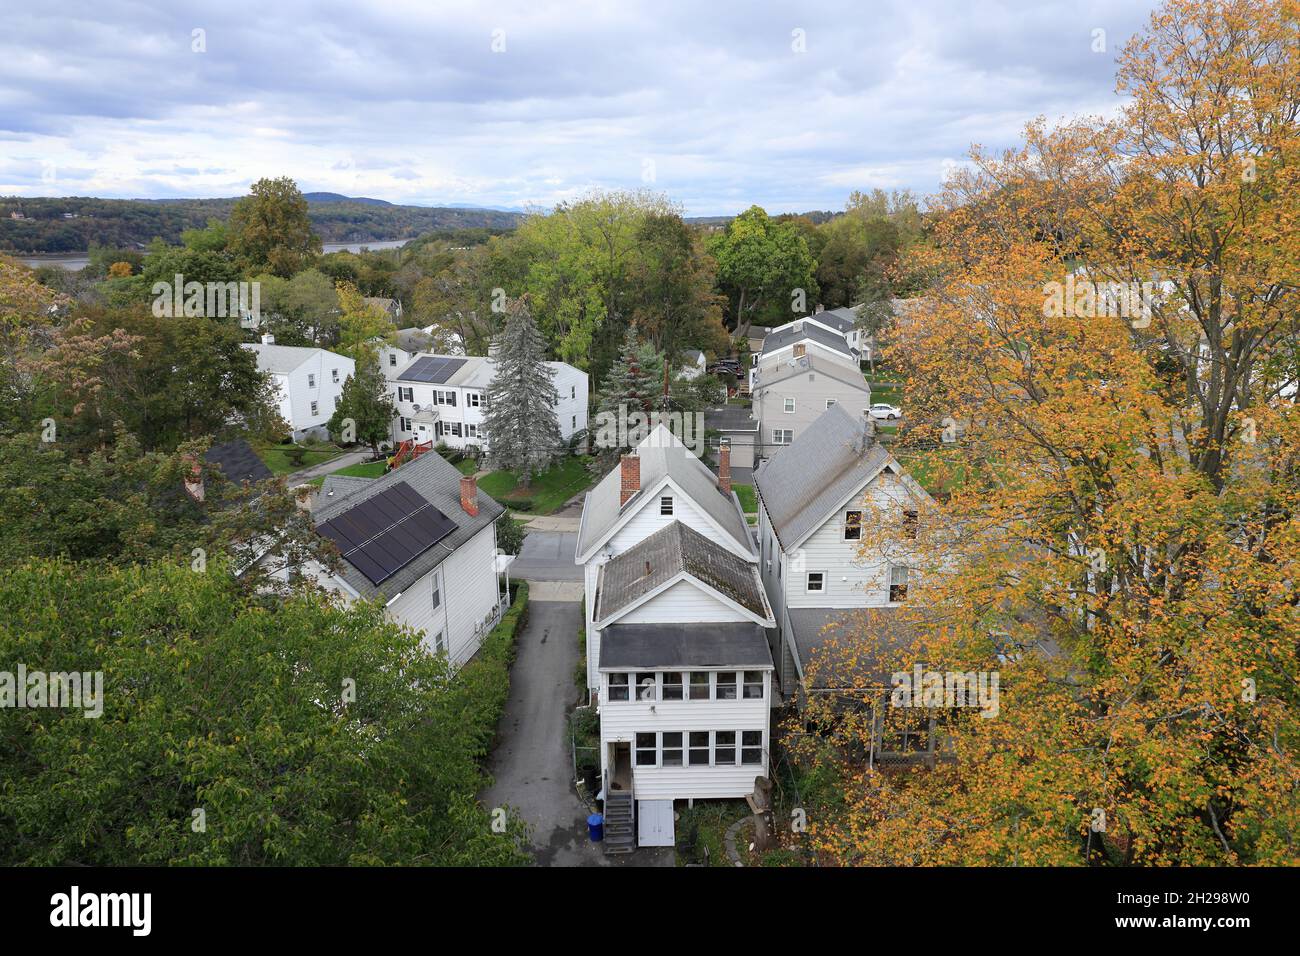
x,y
1109,361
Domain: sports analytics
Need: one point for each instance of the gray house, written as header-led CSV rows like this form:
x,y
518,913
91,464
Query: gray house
x,y
789,396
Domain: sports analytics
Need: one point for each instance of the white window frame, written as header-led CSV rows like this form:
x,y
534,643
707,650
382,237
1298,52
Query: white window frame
x,y
788,405
782,436
830,402
624,686
311,379
334,375
848,527
666,502
821,582
903,583
403,424
314,407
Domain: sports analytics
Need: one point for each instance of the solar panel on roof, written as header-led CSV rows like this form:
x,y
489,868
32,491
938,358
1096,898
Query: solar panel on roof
x,y
387,531
433,369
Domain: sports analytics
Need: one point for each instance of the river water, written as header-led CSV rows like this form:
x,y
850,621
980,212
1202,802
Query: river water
x,y
79,260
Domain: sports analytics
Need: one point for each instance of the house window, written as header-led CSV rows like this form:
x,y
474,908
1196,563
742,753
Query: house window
x,y
645,687
618,687
725,686
471,430
573,391
645,750
334,374
852,525
816,581
699,685
311,380
897,584
392,359
472,399
830,402
911,520
672,750
437,593
753,687
314,406
782,436
574,424
455,428
699,748
405,394
789,405
724,748
403,424
751,746
445,398
672,686
666,505
440,643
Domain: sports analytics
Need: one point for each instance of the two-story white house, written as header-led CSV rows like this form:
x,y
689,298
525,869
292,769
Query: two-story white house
x,y
676,633
812,501
443,398
422,539
308,383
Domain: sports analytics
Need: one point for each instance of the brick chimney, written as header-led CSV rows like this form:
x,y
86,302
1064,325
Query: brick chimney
x,y
469,495
724,465
630,478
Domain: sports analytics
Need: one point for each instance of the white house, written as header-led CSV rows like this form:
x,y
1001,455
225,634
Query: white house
x,y
812,502
308,383
677,652
805,336
693,364
443,398
422,539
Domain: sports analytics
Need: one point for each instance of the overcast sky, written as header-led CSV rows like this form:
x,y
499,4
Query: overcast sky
x,y
791,106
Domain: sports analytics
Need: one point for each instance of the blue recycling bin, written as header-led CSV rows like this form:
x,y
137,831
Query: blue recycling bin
x,y
596,827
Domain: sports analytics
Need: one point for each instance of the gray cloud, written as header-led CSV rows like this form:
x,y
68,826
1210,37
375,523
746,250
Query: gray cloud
x,y
410,103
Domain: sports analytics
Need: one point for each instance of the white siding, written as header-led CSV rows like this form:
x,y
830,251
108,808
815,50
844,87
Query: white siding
x,y
621,721
683,603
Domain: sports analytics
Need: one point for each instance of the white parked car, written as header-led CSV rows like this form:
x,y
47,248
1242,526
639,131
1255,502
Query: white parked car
x,y
885,412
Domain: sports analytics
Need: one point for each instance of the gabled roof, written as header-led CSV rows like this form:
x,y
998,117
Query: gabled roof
x,y
842,319
283,359
413,340
434,480
810,365
238,462
850,645
667,555
806,331
663,457
820,469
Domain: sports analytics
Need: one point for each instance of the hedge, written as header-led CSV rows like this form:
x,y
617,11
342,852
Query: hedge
x,y
484,682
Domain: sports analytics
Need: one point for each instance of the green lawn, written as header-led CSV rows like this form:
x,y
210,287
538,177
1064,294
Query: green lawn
x,y
748,498
467,466
367,469
276,457
546,493
934,474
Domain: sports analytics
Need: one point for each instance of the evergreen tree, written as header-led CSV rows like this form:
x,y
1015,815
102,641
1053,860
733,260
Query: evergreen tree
x,y
365,401
522,429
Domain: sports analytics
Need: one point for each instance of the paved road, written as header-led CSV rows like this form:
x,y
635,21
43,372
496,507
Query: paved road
x,y
328,467
531,767
547,556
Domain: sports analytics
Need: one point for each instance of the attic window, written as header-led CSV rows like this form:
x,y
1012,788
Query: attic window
x,y
666,505
853,526
910,523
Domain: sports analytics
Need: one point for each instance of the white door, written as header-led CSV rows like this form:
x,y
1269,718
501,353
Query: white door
x,y
654,823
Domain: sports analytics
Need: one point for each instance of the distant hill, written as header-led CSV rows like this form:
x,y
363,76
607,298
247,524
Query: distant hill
x,y
74,223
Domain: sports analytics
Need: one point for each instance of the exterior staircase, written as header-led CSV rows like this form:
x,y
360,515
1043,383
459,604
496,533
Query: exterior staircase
x,y
620,835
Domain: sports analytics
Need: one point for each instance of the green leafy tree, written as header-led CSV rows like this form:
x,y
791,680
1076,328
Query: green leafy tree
x,y
232,733
269,229
762,267
362,327
366,402
522,430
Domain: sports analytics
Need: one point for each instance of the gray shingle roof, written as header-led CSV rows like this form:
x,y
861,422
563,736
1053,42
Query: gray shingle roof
x,y
280,359
810,364
339,486
843,318
825,464
438,482
651,646
414,340
238,462
806,330
729,418
662,454
863,637
667,553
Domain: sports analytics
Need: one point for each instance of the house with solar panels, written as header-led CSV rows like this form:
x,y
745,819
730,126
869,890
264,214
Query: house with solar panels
x,y
812,502
678,660
422,540
308,383
443,399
